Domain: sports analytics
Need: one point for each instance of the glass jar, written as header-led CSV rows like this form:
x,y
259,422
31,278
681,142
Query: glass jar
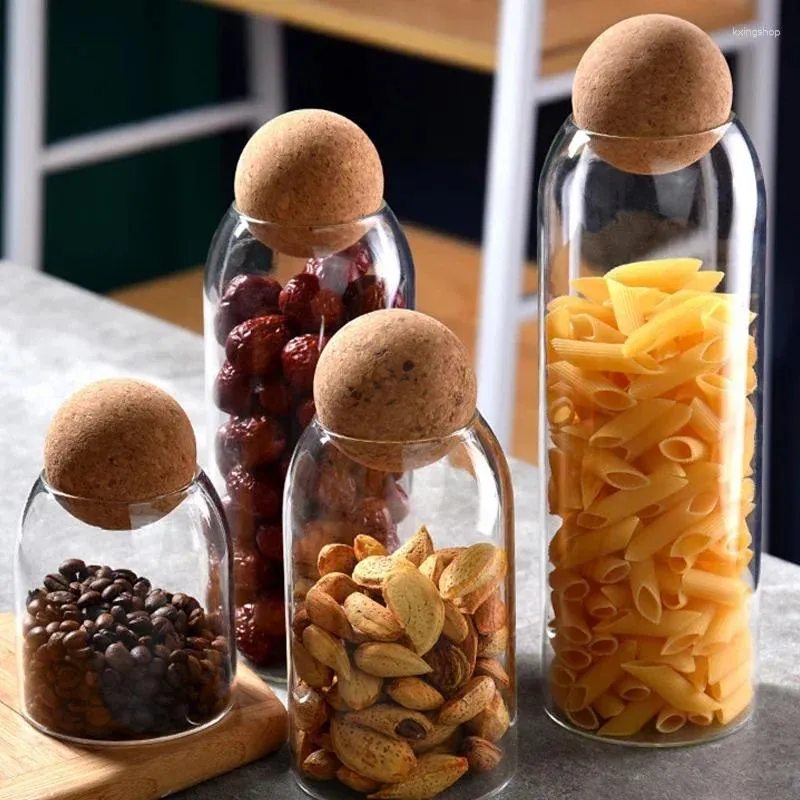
x,y
652,342
268,313
402,645
124,636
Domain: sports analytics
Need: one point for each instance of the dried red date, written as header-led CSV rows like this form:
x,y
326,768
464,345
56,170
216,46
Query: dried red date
x,y
337,489
249,441
274,397
305,413
269,615
336,271
366,294
254,346
258,648
232,390
396,500
269,541
299,360
372,517
258,492
326,312
245,297
295,300
251,574
242,525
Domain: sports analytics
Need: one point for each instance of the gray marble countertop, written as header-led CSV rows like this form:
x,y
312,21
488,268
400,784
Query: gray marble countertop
x,y
54,338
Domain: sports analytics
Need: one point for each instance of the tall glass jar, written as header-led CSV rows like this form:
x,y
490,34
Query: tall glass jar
x,y
402,640
268,313
124,635
652,351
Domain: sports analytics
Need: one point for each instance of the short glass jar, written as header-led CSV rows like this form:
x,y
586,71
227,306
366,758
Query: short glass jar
x,y
401,607
270,307
652,299
124,636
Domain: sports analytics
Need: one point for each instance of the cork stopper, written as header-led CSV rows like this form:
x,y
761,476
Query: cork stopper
x,y
659,79
400,380
307,170
122,441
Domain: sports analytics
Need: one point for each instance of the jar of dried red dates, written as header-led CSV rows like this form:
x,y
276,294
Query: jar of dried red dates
x,y
268,314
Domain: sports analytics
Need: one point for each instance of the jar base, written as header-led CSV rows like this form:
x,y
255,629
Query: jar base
x,y
682,738
121,743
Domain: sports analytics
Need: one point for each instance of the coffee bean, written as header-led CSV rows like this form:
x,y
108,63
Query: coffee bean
x,y
68,625
81,654
59,597
125,599
175,677
68,679
181,622
127,637
36,605
51,628
111,592
104,572
125,574
178,657
142,587
157,667
56,642
93,612
89,598
119,614
72,568
124,585
141,655
55,583
100,585
104,639
105,622
76,588
138,602
76,640
172,641
195,670
197,642
36,637
119,658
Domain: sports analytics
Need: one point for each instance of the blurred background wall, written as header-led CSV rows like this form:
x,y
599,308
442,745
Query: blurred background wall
x,y
148,215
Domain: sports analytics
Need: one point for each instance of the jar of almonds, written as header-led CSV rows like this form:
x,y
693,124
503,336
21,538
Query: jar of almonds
x,y
401,608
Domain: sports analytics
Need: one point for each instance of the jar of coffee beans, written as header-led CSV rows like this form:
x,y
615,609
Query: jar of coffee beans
x,y
124,635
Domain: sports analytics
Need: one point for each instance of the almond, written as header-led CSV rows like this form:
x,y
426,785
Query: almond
x,y
394,721
455,624
490,615
469,647
314,673
301,587
338,585
449,553
494,669
468,702
416,602
365,546
417,548
449,668
353,780
495,644
442,739
371,618
320,765
322,739
307,708
480,564
333,697
432,567
325,612
360,690
471,602
301,744
389,660
481,755
336,558
433,774
373,570
414,693
371,754
492,723
300,620
326,649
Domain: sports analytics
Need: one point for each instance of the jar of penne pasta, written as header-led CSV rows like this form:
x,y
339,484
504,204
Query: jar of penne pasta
x,y
652,291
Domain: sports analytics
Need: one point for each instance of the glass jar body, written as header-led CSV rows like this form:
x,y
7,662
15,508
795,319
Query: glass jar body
x,y
268,312
652,346
124,636
401,609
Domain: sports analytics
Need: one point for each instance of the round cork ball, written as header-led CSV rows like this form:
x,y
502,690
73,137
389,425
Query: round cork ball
x,y
400,383
304,175
662,84
119,442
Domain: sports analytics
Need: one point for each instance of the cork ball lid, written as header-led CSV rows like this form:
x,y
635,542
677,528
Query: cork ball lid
x,y
122,441
653,76
304,170
395,376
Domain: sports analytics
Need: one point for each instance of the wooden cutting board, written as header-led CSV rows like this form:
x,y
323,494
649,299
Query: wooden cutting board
x,y
37,767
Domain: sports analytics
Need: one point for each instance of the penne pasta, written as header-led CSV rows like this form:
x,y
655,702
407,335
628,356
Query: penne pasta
x,y
683,449
705,281
592,545
734,705
666,425
625,301
619,594
592,288
725,687
591,486
608,705
592,386
703,719
561,675
635,716
670,720
571,622
609,569
720,589
560,411
667,274
649,651
588,328
671,586
597,605
599,677
698,677
705,422
631,689
569,585
603,644
577,305
688,636
572,656
671,686
603,357
721,663
613,470
633,624
645,590
627,425
727,623
585,719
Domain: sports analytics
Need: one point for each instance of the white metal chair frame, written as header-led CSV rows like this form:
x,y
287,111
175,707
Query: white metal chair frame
x,y
518,92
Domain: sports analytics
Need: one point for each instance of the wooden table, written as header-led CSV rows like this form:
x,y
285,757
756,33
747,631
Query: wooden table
x,y
463,32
